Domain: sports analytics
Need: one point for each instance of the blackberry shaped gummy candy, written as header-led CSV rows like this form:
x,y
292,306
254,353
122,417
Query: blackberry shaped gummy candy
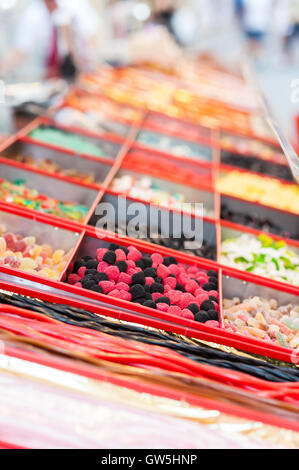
x,y
153,281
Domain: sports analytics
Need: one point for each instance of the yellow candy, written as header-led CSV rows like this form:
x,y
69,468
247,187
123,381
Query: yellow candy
x,y
30,241
48,249
57,256
260,189
2,246
28,264
36,251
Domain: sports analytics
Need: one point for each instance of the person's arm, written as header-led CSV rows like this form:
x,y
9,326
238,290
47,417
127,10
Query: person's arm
x,y
24,42
11,61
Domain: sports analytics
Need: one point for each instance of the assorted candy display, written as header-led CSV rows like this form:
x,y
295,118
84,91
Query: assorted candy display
x,y
17,192
253,148
53,167
153,281
263,319
257,165
189,332
102,106
264,190
262,256
148,190
256,221
148,163
26,254
172,145
72,141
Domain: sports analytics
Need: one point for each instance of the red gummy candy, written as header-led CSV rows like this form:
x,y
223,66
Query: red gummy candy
x,y
115,293
163,271
122,286
186,313
120,255
125,277
149,281
107,286
212,323
191,286
174,269
157,259
170,281
100,253
162,306
73,278
134,254
214,293
102,266
112,272
156,295
174,310
81,271
125,295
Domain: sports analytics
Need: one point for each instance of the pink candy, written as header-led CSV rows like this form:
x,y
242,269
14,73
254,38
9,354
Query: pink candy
x,y
100,253
157,259
163,271
112,272
107,286
120,255
134,254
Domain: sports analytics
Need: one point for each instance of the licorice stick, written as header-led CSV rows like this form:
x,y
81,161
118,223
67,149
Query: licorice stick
x,y
197,352
109,348
179,382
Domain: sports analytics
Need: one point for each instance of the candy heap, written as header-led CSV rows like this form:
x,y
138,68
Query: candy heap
x,y
68,140
17,192
255,221
147,190
102,105
172,145
267,191
26,254
262,256
257,148
257,165
150,280
263,319
149,164
52,167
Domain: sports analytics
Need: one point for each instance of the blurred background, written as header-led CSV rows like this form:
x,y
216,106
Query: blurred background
x,y
50,38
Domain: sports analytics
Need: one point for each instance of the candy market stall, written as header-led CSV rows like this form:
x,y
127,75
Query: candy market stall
x,y
145,323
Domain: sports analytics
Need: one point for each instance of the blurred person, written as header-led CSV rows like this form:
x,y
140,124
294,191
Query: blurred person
x,y
256,19
60,33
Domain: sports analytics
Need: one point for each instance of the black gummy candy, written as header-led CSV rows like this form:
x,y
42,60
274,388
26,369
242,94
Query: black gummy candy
x,y
138,278
207,305
193,308
109,257
122,266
